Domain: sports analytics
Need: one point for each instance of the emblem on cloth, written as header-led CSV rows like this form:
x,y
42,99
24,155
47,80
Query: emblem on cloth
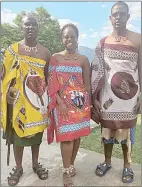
x,y
36,91
74,93
77,98
123,85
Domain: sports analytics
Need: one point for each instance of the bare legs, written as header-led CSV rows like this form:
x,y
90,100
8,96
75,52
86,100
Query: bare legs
x,y
106,165
66,152
108,153
18,154
75,150
69,151
35,155
125,151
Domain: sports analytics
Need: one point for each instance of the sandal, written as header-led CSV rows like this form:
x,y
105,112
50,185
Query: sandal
x,y
102,169
67,180
128,175
14,177
72,170
41,172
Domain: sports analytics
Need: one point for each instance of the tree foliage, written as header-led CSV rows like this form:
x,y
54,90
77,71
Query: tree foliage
x,y
49,31
9,35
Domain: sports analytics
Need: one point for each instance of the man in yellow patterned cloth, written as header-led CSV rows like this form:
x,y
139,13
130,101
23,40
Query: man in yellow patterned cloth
x,y
24,88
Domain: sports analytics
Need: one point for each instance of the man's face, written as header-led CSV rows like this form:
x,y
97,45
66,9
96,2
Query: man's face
x,y
119,16
29,28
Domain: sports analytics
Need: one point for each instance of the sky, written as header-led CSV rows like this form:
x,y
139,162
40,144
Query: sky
x,y
91,18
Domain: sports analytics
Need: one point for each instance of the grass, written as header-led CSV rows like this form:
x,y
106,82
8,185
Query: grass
x,y
93,143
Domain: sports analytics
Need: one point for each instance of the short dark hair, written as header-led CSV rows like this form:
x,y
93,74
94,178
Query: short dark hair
x,y
27,15
72,26
120,3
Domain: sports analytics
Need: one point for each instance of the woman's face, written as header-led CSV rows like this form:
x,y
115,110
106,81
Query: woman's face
x,y
69,39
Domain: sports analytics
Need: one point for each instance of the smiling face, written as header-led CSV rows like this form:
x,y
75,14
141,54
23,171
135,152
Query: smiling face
x,y
29,27
119,16
69,39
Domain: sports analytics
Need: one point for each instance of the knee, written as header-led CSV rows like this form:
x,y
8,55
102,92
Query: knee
x,y
77,140
67,142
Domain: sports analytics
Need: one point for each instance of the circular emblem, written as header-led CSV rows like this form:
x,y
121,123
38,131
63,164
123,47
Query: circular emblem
x,y
36,92
123,85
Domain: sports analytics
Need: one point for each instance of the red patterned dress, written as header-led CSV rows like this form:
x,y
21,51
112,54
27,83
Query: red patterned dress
x,y
67,80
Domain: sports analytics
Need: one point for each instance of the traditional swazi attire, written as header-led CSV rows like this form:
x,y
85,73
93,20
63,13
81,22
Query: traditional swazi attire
x,y
66,79
30,115
115,83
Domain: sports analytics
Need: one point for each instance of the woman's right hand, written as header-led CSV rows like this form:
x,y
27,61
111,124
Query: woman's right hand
x,y
64,111
62,107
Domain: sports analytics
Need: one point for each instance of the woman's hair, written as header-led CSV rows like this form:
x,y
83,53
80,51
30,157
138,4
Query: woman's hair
x,y
72,26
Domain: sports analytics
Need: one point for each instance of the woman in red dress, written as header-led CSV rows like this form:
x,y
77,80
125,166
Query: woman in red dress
x,y
69,80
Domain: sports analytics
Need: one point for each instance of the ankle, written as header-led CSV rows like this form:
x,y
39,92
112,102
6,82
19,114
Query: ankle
x,y
35,164
108,161
72,164
66,170
126,165
19,167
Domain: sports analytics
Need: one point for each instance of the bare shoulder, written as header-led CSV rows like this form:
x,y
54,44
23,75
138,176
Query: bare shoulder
x,y
84,58
58,55
44,49
45,53
136,37
132,33
84,61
